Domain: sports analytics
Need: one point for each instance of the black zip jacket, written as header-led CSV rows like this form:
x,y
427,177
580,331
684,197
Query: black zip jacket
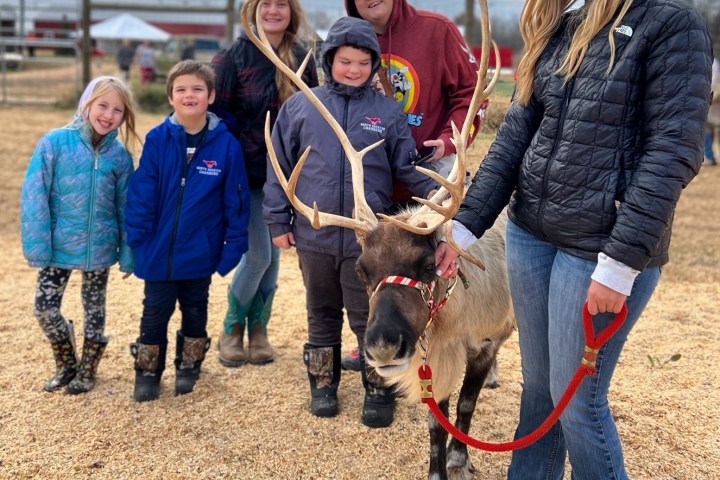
x,y
598,163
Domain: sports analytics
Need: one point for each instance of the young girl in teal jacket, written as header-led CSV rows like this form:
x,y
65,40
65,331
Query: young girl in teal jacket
x,y
73,203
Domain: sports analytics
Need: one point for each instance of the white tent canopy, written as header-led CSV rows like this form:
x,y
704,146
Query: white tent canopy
x,y
127,26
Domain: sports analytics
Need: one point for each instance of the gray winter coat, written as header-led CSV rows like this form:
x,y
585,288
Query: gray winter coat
x,y
367,117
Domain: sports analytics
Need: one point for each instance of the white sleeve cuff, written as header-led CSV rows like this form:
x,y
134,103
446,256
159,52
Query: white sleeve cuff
x,y
462,236
614,274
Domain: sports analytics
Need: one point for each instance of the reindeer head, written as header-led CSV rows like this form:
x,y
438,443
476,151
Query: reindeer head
x,y
402,244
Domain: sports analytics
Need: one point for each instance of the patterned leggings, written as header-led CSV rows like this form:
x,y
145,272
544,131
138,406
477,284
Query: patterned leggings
x,y
48,300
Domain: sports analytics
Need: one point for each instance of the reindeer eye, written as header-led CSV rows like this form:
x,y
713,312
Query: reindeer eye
x,y
429,272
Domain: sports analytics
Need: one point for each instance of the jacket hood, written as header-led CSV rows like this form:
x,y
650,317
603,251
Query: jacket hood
x,y
213,120
355,32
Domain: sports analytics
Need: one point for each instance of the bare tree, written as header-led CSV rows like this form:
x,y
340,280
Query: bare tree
x,y
319,19
505,32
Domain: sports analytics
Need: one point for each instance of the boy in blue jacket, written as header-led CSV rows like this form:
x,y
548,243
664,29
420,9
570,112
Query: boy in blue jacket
x,y
187,217
351,55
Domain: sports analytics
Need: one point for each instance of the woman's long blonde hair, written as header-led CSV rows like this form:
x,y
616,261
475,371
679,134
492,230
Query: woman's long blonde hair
x,y
541,18
285,86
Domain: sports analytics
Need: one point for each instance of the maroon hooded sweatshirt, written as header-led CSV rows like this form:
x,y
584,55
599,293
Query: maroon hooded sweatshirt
x,y
432,71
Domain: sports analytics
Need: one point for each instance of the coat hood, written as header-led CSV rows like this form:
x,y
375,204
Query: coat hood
x,y
355,32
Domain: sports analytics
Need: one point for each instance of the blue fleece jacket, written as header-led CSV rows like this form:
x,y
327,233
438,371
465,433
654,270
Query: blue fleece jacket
x,y
187,219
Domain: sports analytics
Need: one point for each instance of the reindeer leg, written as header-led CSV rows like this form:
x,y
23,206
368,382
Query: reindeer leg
x,y
459,465
438,442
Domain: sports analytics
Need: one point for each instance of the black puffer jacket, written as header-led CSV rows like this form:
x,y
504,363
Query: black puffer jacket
x,y
598,163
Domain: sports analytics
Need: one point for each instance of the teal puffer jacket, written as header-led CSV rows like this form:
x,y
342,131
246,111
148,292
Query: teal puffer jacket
x,y
73,201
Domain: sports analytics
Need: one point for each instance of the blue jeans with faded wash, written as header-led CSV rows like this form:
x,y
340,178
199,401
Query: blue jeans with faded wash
x,y
709,139
260,266
549,288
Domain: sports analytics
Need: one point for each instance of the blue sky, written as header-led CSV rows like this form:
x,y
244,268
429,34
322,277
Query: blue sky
x,y
451,8
334,8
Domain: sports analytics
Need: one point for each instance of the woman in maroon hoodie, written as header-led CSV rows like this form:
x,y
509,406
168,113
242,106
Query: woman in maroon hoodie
x,y
434,90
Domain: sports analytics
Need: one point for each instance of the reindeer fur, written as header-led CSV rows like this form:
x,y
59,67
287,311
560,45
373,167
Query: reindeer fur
x,y
471,319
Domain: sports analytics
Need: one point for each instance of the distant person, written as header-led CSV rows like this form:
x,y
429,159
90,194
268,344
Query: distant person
x,y
187,217
188,51
31,37
73,218
125,56
145,56
351,56
248,87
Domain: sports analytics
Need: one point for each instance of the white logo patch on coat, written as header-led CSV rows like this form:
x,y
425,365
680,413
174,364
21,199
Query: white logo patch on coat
x,y
208,168
373,125
624,30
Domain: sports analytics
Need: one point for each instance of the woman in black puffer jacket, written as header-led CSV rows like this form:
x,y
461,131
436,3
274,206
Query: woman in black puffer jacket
x,y
604,132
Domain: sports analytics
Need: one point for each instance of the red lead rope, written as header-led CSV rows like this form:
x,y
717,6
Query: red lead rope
x,y
587,367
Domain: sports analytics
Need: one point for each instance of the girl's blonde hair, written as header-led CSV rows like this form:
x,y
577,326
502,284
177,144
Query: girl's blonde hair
x,y
539,21
292,35
101,86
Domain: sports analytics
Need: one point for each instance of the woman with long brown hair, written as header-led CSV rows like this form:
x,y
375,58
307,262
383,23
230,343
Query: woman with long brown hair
x,y
247,87
604,132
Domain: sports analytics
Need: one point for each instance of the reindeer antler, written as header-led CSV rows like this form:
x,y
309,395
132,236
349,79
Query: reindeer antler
x,y
364,220
444,204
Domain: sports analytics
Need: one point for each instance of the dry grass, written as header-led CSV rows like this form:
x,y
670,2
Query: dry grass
x,y
253,422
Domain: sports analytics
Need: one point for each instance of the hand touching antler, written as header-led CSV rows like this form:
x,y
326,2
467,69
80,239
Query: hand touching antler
x,y
442,206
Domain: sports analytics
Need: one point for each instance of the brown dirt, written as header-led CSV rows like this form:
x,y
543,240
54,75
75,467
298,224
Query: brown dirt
x,y
253,422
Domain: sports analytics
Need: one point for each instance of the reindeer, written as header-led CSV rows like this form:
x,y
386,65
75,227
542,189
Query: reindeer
x,y
465,335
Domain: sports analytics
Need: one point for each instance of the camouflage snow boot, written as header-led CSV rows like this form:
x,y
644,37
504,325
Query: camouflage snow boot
x,y
323,366
84,381
65,361
149,367
189,356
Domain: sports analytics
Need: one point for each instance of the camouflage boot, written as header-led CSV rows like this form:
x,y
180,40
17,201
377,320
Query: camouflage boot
x,y
258,317
323,366
84,381
379,404
65,361
189,356
149,367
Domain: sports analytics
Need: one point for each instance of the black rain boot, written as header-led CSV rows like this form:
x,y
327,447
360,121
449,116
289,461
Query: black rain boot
x,y
149,367
84,381
379,405
65,362
189,355
323,367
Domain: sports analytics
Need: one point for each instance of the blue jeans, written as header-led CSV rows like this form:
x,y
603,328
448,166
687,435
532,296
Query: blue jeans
x,y
709,154
549,288
258,270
